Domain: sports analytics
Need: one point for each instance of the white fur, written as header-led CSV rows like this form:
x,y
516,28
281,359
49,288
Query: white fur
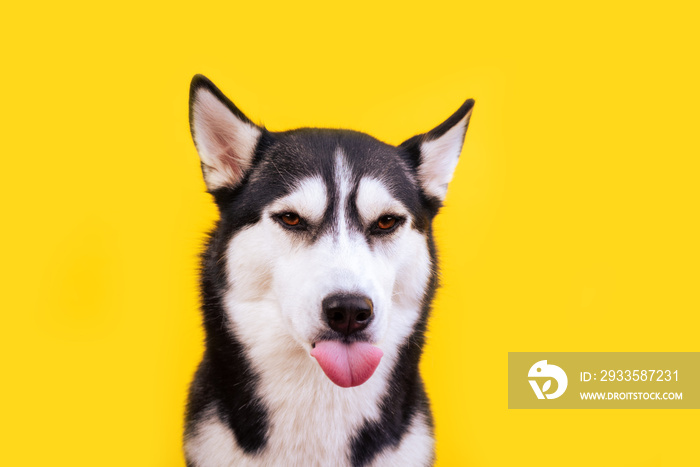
x,y
213,444
439,159
343,177
277,284
225,143
374,201
309,200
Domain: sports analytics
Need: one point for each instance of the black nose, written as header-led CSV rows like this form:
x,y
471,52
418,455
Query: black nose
x,y
347,313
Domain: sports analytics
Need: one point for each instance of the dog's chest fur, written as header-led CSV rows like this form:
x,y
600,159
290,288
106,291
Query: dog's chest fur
x,y
312,422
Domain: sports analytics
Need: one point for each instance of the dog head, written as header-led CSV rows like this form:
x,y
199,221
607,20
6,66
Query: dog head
x,y
325,235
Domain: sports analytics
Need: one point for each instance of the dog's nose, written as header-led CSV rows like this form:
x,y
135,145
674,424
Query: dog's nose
x,y
347,313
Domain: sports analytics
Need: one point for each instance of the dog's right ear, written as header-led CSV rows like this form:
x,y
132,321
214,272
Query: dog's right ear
x,y
225,138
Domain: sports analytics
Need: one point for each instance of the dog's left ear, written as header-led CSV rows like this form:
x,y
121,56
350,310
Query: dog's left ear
x,y
225,138
434,155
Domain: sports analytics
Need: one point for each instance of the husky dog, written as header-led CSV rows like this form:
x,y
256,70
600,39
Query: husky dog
x,y
316,287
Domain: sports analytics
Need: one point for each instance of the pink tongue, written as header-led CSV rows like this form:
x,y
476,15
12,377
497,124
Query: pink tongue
x,y
347,365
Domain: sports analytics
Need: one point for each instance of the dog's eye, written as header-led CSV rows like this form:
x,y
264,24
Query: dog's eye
x,y
290,218
386,224
291,221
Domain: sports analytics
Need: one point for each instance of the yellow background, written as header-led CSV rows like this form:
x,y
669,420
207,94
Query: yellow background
x,y
571,224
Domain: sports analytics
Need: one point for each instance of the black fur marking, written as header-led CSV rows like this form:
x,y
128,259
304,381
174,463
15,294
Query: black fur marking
x,y
351,212
225,380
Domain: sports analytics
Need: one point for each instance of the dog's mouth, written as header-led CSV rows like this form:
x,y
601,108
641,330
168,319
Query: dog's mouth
x,y
347,364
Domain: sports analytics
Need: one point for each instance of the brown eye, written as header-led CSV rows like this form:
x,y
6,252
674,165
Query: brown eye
x,y
386,222
290,219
